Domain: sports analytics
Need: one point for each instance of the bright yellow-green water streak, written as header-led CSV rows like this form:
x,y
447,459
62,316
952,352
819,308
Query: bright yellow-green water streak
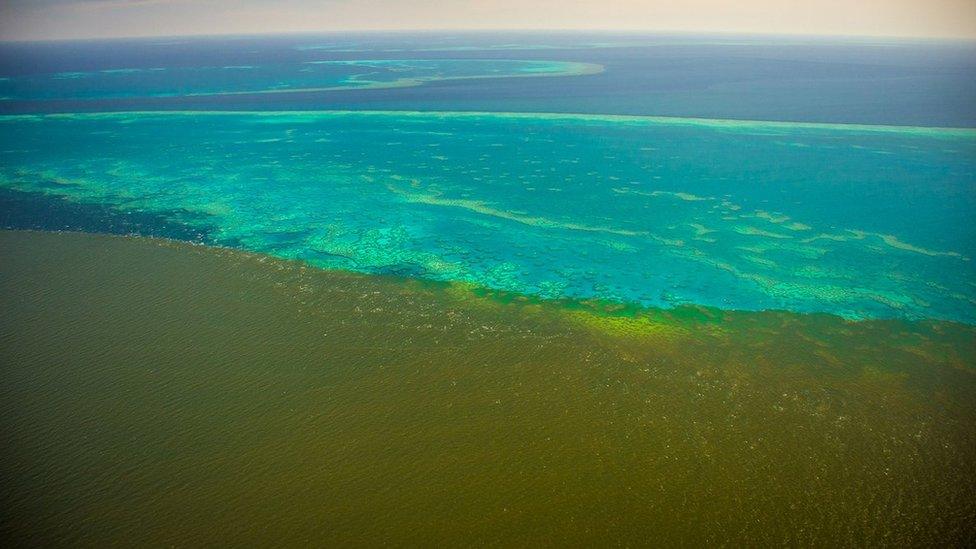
x,y
163,393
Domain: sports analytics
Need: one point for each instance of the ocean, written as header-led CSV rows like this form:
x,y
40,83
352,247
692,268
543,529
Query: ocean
x,y
499,288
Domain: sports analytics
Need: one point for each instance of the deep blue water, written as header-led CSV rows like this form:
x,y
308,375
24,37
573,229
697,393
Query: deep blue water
x,y
926,83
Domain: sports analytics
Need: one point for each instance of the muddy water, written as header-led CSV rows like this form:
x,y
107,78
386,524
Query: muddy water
x,y
160,393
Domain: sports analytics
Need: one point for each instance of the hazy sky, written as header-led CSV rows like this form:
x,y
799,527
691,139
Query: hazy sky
x,y
43,19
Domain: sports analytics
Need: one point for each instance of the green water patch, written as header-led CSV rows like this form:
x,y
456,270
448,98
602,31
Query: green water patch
x,y
189,395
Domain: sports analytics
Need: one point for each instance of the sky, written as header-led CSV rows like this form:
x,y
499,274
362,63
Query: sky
x,y
57,19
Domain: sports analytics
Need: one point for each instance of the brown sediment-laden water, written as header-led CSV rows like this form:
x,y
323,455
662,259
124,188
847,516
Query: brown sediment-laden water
x,y
163,392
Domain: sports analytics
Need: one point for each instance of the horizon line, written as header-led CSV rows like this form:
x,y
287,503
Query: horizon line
x,y
580,30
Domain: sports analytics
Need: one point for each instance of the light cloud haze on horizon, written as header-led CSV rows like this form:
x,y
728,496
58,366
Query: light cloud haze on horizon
x,y
55,19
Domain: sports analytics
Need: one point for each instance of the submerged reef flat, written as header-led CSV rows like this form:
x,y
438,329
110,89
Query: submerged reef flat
x,y
854,220
313,75
152,389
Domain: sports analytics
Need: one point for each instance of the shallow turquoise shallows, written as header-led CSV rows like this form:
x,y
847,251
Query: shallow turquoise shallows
x,y
860,221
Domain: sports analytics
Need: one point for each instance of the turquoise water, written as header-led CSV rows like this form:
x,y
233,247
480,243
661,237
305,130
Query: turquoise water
x,y
860,221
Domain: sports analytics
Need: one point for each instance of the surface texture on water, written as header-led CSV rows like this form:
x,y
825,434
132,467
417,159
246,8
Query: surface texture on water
x,y
860,221
184,395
